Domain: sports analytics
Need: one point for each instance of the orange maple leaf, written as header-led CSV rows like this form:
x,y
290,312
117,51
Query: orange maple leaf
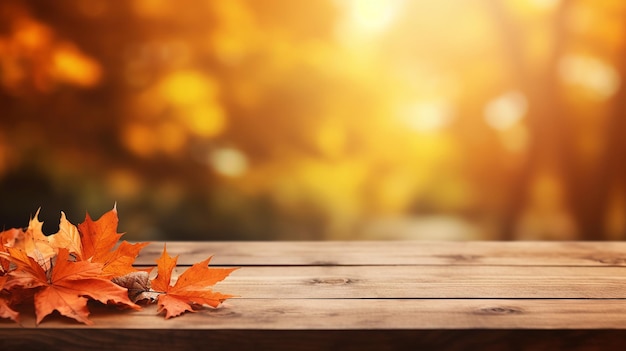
x,y
35,242
120,261
63,271
5,310
66,286
67,237
28,272
98,238
8,237
193,287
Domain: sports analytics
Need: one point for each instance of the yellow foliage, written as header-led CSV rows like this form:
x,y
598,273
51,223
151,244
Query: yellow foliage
x,y
355,109
184,88
205,120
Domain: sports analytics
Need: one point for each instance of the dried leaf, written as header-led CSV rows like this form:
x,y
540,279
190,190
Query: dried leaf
x,y
7,312
5,309
68,286
9,236
5,264
67,237
7,239
138,285
192,287
28,274
63,271
120,261
99,237
35,243
70,282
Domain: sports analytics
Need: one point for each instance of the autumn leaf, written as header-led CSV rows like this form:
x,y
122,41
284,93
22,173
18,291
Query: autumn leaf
x,y
7,312
98,238
34,242
64,271
120,261
5,309
28,274
8,237
68,287
5,264
138,285
193,287
67,237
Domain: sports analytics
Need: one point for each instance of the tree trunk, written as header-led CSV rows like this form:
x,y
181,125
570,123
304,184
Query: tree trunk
x,y
551,141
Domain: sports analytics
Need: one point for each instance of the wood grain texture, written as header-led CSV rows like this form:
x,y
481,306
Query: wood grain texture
x,y
308,340
359,314
426,282
337,253
371,295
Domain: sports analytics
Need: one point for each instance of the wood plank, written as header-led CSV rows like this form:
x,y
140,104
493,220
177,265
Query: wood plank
x,y
371,295
307,340
518,253
359,314
425,282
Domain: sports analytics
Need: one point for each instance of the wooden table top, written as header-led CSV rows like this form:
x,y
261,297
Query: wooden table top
x,y
364,293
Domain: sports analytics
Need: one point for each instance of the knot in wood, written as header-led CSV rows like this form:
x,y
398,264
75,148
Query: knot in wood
x,y
499,310
331,281
460,257
613,261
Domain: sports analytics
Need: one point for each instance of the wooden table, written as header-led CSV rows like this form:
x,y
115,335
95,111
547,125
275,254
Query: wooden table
x,y
373,295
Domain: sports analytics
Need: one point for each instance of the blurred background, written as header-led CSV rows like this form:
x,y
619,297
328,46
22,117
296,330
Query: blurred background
x,y
316,120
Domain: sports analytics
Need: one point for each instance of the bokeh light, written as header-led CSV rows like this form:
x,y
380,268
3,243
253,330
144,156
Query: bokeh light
x,y
319,120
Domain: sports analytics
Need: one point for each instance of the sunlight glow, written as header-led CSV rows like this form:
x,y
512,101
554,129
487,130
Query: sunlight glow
x,y
599,78
364,18
312,119
229,162
373,15
544,4
427,116
506,110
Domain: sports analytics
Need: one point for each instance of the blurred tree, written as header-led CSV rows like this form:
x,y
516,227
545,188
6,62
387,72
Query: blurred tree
x,y
319,120
556,133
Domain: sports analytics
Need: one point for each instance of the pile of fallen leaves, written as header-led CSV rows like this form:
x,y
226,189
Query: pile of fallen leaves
x,y
65,270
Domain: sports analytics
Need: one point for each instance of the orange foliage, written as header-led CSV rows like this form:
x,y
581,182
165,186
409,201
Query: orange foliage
x,y
66,286
316,120
63,271
191,288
